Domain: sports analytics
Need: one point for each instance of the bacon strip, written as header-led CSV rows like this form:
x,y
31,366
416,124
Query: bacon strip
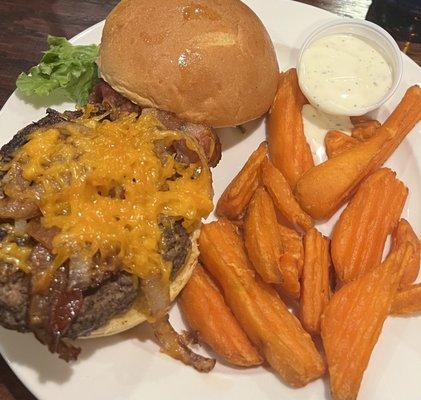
x,y
103,93
51,313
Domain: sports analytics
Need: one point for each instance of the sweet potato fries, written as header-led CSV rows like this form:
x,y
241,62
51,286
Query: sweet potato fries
x,y
407,301
364,127
353,320
324,188
315,290
261,313
283,197
237,195
292,246
265,250
288,147
206,312
404,233
360,234
264,245
337,142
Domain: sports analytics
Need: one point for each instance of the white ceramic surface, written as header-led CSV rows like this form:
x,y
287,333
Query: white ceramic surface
x,y
129,366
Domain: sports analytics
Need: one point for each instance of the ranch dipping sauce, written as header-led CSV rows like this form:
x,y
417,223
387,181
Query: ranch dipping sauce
x,y
316,124
343,74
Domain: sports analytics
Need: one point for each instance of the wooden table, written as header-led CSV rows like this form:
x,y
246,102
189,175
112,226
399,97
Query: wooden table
x,y
24,25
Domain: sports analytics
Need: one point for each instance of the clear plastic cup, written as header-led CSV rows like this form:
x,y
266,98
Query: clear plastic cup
x,y
371,33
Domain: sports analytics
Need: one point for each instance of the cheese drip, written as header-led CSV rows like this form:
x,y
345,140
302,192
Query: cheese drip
x,y
103,188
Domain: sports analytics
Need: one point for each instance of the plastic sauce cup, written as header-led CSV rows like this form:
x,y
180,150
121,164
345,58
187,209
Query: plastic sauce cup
x,y
372,34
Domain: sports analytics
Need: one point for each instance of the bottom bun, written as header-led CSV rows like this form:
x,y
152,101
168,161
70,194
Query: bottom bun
x,y
134,316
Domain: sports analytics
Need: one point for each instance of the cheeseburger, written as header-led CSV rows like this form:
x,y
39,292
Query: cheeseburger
x,y
100,208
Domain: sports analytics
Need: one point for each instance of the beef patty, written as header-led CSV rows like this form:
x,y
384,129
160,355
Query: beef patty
x,y
105,295
112,297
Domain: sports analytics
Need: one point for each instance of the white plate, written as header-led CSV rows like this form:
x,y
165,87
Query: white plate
x,y
129,366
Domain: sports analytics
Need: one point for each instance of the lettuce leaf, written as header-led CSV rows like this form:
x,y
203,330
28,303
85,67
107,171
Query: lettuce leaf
x,y
63,66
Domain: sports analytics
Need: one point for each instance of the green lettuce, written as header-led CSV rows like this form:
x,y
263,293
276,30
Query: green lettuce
x,y
63,66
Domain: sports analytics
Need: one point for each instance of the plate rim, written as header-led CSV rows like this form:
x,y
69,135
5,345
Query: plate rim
x,y
313,9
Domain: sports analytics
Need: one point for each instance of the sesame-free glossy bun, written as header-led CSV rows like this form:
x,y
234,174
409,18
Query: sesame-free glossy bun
x,y
208,61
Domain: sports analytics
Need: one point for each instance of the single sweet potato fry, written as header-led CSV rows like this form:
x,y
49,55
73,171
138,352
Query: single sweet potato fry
x,y
288,147
264,246
404,233
352,322
336,142
360,234
237,195
315,281
293,246
279,336
364,127
282,196
407,301
324,188
205,310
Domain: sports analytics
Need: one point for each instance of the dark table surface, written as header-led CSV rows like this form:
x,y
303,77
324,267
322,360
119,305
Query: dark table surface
x,y
24,25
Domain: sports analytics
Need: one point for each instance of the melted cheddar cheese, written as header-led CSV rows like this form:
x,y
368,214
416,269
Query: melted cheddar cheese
x,y
102,187
16,255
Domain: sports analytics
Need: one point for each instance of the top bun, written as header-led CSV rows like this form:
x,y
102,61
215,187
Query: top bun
x,y
207,61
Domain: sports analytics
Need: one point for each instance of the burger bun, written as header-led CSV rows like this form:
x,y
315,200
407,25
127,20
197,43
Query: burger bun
x,y
208,61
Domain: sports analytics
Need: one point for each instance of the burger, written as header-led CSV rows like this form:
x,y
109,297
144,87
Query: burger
x,y
101,207
210,62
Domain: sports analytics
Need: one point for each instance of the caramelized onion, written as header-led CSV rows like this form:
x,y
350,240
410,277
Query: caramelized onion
x,y
79,271
157,294
174,345
41,234
20,226
11,208
156,291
